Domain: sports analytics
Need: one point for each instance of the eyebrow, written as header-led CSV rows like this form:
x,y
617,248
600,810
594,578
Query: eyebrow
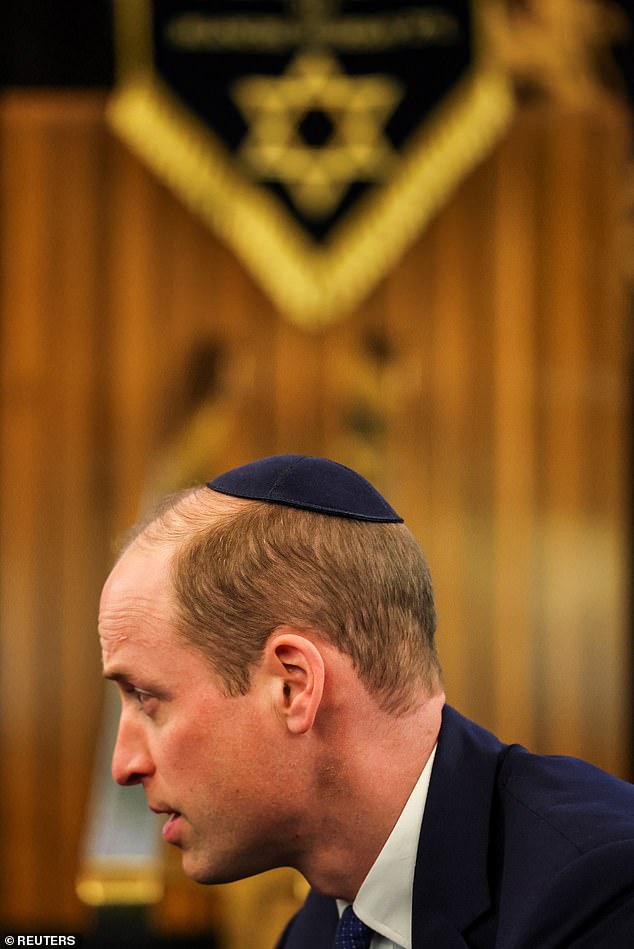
x,y
118,677
136,682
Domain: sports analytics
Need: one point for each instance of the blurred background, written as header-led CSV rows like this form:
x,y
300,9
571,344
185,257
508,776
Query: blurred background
x,y
483,383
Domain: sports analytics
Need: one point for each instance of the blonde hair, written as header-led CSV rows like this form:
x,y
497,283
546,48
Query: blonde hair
x,y
241,569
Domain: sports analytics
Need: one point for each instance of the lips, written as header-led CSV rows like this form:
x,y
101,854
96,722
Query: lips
x,y
171,827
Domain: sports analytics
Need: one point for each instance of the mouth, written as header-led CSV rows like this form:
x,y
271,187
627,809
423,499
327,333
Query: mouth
x,y
171,826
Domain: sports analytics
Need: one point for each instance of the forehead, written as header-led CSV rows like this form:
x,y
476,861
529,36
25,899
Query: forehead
x,y
139,640
136,603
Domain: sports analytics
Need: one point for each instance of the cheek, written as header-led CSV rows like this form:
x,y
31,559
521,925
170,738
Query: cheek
x,y
216,746
183,751
195,746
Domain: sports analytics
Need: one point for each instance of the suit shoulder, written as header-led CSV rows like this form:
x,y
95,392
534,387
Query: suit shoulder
x,y
589,904
583,804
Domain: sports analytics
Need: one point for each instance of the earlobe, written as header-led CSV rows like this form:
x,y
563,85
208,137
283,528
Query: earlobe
x,y
296,669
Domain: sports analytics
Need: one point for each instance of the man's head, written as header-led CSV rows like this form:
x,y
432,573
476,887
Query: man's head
x,y
228,622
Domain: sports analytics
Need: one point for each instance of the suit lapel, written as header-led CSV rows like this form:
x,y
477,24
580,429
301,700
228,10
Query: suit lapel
x,y
314,926
451,886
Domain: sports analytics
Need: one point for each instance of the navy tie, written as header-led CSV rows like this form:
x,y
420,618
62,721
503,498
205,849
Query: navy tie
x,y
351,932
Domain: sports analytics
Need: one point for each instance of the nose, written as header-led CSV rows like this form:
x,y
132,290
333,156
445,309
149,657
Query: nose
x,y
131,759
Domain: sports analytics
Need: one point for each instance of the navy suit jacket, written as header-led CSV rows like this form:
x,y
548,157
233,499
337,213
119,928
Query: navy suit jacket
x,y
516,851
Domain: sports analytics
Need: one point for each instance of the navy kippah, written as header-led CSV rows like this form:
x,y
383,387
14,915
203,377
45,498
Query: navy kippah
x,y
312,484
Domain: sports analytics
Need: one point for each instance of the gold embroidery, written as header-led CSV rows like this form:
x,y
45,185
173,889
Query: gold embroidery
x,y
356,107
312,283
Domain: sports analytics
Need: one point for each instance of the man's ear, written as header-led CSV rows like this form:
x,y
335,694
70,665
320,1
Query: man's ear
x,y
295,671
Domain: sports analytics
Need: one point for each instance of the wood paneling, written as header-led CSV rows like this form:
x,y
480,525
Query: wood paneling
x,y
483,386
55,506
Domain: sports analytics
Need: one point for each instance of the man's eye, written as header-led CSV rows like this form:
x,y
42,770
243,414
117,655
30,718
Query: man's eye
x,y
143,698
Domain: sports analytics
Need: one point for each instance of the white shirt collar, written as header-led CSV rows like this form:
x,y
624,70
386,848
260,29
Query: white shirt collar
x,y
384,901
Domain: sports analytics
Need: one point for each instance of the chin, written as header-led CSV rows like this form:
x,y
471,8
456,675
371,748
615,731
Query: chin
x,y
205,871
197,870
201,869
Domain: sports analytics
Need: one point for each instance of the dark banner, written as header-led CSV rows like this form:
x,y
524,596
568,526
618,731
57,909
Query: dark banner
x,y
316,136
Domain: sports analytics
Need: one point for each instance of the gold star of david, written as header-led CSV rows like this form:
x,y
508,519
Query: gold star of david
x,y
357,107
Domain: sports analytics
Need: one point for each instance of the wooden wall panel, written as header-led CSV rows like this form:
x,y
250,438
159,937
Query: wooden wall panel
x,y
514,443
53,524
483,385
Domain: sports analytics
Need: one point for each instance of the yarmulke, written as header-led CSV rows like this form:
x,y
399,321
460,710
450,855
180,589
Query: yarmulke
x,y
311,484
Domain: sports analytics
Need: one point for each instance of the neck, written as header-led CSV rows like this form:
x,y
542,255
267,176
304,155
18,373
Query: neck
x,y
360,789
